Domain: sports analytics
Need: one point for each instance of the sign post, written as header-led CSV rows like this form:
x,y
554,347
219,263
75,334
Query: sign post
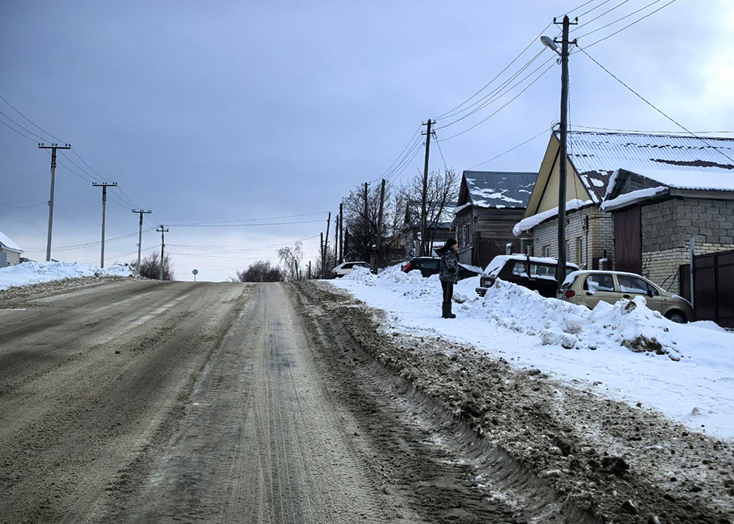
x,y
195,272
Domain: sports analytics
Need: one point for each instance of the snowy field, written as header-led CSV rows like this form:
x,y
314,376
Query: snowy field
x,y
626,351
36,272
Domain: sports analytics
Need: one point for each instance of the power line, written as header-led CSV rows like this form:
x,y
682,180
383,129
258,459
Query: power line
x,y
24,207
592,9
618,130
631,24
251,225
501,108
543,132
31,121
18,132
438,143
653,106
532,42
412,139
615,21
600,16
42,139
226,222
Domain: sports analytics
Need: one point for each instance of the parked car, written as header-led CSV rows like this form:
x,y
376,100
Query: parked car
x,y
431,266
536,273
588,288
347,267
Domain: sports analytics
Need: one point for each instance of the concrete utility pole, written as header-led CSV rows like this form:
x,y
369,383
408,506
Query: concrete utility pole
x,y
104,186
366,219
425,186
563,151
323,255
162,230
326,243
53,148
141,212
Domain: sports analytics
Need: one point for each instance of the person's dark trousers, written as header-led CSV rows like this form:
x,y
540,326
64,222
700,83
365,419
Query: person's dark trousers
x,y
448,294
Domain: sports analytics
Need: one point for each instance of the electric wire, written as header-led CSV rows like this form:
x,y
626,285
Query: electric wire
x,y
631,24
502,107
615,21
619,130
438,144
18,132
587,22
450,112
653,106
543,132
42,139
31,121
412,138
24,207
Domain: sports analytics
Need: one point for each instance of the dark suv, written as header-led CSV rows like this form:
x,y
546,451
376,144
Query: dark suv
x,y
431,266
538,274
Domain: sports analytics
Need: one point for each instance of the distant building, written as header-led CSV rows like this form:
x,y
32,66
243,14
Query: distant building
x,y
9,251
490,203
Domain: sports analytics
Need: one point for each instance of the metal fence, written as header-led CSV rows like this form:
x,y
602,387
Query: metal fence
x,y
713,277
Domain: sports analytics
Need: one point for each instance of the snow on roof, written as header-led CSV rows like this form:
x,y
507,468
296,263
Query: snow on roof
x,y
693,179
597,155
632,196
499,189
6,243
530,222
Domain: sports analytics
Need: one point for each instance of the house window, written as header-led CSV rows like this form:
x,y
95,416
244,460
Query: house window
x,y
464,235
579,251
546,251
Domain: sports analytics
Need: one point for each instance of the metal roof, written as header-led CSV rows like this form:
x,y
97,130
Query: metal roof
x,y
6,243
498,189
595,156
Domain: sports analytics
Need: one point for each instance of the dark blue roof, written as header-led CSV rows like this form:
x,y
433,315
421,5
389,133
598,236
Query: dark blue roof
x,y
497,189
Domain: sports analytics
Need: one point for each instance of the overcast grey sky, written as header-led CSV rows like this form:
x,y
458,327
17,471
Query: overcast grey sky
x,y
215,111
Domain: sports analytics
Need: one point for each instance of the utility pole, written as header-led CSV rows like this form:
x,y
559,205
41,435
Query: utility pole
x,y
326,242
53,148
336,241
346,243
379,225
366,220
563,151
323,254
341,233
141,212
162,230
425,186
309,270
104,186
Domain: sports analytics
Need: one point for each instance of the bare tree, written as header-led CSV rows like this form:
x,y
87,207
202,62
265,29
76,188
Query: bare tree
x,y
261,271
291,257
150,267
441,197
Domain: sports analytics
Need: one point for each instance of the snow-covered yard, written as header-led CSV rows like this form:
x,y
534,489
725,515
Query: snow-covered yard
x,y
625,351
36,272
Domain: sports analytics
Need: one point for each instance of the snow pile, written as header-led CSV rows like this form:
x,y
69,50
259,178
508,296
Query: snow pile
x,y
625,350
35,272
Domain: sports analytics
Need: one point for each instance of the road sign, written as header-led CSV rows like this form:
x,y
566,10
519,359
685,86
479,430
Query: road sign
x,y
195,272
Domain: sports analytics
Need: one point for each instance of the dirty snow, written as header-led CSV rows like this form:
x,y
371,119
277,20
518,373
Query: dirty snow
x,y
35,272
624,351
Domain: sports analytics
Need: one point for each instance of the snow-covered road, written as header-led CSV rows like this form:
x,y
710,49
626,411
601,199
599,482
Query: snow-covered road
x,y
693,382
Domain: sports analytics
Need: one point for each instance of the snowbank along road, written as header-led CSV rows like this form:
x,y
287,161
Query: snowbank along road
x,y
178,402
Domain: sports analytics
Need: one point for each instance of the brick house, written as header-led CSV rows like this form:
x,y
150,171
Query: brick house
x,y
9,251
656,212
589,230
489,205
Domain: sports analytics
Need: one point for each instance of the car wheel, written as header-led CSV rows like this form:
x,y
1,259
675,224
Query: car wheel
x,y
676,316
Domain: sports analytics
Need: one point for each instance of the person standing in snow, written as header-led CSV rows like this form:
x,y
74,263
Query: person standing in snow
x,y
449,268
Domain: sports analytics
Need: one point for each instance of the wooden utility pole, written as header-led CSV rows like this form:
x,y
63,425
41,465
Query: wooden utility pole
x,y
326,238
346,243
141,212
341,233
309,270
425,186
162,230
336,241
379,225
323,255
53,148
563,153
104,186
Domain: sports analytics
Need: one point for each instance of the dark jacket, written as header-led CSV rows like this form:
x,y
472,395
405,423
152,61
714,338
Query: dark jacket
x,y
449,266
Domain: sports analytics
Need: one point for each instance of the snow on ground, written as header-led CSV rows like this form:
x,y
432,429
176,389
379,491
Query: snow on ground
x,y
624,351
36,272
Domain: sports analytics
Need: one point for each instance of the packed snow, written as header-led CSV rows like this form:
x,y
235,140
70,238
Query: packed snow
x,y
36,272
624,351
639,194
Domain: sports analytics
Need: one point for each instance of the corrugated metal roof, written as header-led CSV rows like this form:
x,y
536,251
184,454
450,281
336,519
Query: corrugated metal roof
x,y
500,189
6,242
597,155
